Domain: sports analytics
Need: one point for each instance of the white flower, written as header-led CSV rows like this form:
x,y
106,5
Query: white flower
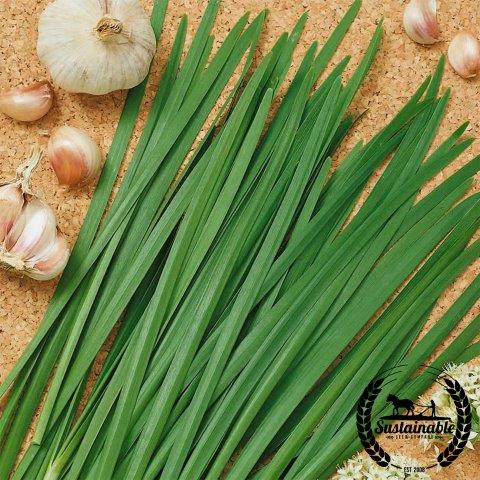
x,y
469,378
419,476
396,475
359,468
377,474
441,398
350,471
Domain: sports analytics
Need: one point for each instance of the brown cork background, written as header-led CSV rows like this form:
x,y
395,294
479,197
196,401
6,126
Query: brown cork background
x,y
400,67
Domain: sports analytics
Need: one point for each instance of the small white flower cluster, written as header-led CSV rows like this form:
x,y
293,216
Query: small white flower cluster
x,y
360,468
469,378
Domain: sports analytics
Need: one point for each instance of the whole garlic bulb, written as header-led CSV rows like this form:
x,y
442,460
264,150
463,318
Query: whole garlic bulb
x,y
75,157
96,46
30,241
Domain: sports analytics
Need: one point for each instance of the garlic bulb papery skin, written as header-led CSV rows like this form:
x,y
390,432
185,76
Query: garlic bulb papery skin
x,y
33,232
420,21
11,203
27,104
96,46
34,246
74,156
464,55
31,243
51,262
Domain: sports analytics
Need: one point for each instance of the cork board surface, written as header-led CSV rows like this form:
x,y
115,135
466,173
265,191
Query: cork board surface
x,y
400,67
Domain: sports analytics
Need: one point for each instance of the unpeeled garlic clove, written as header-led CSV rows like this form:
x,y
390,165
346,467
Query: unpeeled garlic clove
x,y
464,55
420,21
75,157
52,262
11,203
27,104
33,232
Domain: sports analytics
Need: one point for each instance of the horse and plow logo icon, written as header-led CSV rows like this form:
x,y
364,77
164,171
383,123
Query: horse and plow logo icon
x,y
409,406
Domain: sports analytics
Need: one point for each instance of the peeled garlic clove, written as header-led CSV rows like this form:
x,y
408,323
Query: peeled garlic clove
x,y
27,104
74,156
464,55
96,46
33,231
11,203
51,263
420,21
